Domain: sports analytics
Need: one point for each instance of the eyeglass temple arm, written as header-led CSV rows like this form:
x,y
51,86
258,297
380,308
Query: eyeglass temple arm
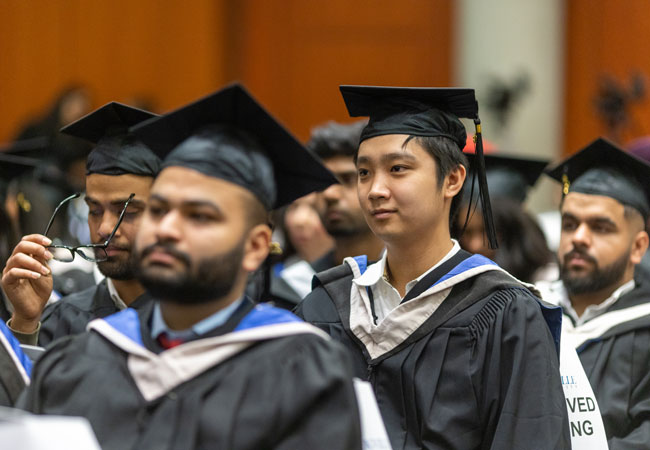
x,y
56,210
119,220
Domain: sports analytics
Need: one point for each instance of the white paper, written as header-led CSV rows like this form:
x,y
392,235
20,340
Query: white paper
x,y
585,422
373,432
31,432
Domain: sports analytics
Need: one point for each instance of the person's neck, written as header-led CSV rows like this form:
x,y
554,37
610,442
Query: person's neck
x,y
361,244
408,260
181,316
128,290
580,302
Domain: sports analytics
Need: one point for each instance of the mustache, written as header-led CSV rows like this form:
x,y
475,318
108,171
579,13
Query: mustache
x,y
582,254
166,248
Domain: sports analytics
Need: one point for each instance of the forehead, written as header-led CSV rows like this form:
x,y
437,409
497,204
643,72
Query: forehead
x,y
339,164
587,205
180,184
117,187
390,145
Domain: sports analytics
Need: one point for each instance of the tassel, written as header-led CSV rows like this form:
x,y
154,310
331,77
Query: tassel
x,y
484,194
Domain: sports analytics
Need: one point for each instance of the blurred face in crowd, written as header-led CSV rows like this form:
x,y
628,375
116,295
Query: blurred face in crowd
x,y
600,243
305,229
200,237
473,239
106,196
338,205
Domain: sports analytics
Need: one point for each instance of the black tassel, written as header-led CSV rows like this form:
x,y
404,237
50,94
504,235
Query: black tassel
x,y
484,194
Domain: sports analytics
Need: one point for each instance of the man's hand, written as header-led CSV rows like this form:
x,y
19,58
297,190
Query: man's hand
x,y
27,281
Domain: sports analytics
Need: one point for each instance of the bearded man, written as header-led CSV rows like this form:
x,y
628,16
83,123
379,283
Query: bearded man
x,y
119,173
606,306
203,366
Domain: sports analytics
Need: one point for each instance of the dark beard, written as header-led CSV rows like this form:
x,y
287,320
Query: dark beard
x,y
210,279
348,227
119,269
597,279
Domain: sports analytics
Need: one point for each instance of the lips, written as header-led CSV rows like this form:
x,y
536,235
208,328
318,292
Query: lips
x,y
577,259
161,257
382,213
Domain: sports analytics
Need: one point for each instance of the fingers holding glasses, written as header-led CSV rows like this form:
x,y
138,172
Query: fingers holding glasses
x,y
28,259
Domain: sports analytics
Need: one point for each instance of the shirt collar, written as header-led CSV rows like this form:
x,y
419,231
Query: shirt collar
x,y
375,272
593,310
119,303
220,317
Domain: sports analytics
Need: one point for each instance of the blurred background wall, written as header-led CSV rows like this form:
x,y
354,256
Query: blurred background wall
x,y
550,76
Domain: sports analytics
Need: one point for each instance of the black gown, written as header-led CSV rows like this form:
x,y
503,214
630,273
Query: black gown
x,y
481,372
72,313
617,363
15,367
292,392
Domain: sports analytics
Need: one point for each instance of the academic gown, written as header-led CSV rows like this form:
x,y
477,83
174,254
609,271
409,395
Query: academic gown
x,y
291,392
616,357
72,313
481,372
15,367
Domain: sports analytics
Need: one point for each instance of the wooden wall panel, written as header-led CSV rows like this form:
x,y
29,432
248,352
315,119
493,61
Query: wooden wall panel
x,y
294,57
164,50
604,37
292,54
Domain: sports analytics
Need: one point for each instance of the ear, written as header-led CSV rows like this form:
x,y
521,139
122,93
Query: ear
x,y
454,181
257,247
639,247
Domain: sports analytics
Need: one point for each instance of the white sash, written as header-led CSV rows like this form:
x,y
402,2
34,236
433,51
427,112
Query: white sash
x,y
585,422
155,375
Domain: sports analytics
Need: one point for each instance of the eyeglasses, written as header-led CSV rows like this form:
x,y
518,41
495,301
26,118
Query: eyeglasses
x,y
90,252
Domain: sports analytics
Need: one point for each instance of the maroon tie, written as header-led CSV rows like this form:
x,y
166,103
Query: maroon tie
x,y
167,343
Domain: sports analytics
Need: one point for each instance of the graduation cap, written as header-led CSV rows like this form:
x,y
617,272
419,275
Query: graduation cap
x,y
427,112
510,176
13,166
229,135
602,168
36,147
116,151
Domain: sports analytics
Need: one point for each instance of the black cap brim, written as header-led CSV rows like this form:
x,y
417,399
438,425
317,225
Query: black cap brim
x,y
106,120
363,101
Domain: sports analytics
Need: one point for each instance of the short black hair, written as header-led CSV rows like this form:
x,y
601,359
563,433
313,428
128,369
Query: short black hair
x,y
335,139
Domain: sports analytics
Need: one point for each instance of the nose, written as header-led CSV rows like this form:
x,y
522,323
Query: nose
x,y
169,228
332,194
378,188
107,224
581,236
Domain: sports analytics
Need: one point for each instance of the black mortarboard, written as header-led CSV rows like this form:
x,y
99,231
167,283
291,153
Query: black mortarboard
x,y
601,168
229,135
36,147
510,176
13,165
116,151
426,112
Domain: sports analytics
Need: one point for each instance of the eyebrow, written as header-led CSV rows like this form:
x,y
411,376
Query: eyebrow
x,y
388,157
597,219
189,203
117,202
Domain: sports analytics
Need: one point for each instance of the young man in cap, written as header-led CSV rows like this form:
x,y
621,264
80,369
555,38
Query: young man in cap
x,y
202,366
606,307
458,352
118,166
